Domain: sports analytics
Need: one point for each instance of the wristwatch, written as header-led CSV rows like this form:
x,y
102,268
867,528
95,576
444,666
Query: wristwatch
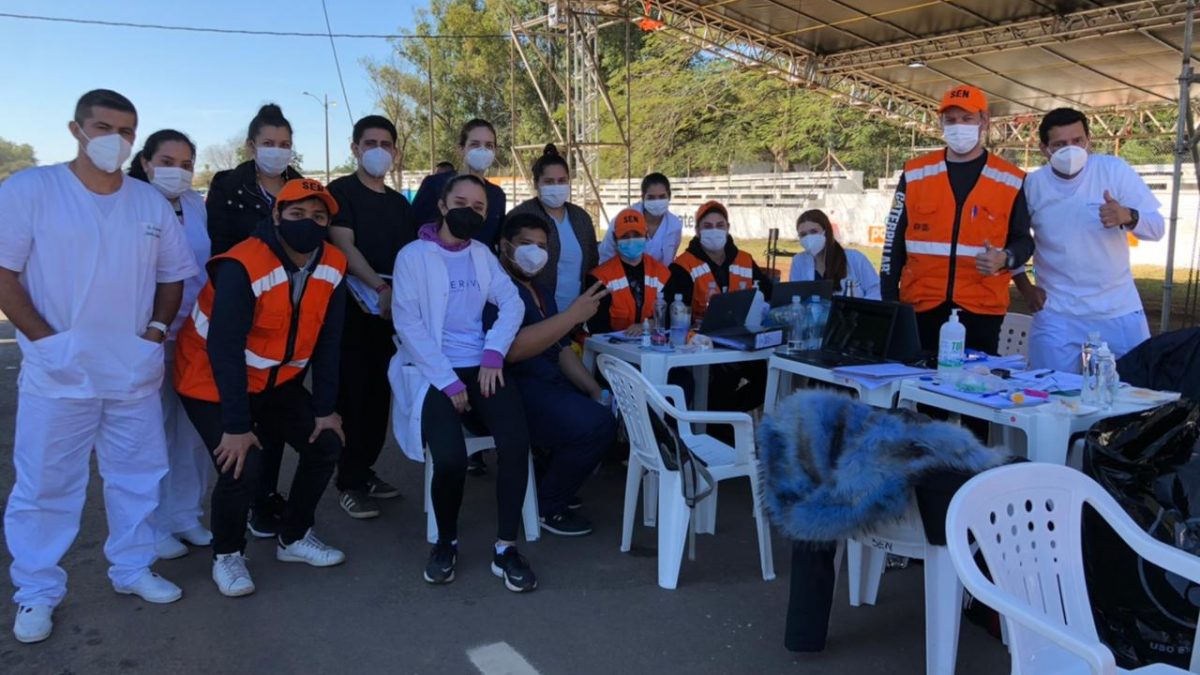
x,y
1134,217
160,327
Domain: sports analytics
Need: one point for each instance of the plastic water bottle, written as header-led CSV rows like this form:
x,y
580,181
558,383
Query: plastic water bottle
x,y
758,311
951,349
797,325
1089,348
646,341
1107,378
681,321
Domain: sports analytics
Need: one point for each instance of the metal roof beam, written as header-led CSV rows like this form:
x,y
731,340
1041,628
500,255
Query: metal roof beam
x,y
1128,17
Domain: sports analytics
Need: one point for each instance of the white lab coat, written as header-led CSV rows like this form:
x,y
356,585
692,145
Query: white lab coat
x,y
421,293
183,489
858,268
662,246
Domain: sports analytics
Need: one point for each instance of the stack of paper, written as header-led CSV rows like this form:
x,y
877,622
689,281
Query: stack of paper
x,y
364,295
876,375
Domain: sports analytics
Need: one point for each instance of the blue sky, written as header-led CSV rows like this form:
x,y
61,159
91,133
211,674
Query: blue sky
x,y
206,85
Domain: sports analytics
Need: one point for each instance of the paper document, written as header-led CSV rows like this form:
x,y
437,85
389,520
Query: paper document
x,y
883,371
618,336
364,295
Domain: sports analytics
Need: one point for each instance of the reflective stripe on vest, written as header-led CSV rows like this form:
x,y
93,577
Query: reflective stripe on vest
x,y
930,238
623,310
741,277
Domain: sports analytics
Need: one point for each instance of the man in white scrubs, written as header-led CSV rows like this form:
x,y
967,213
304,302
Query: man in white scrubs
x,y
91,273
1083,207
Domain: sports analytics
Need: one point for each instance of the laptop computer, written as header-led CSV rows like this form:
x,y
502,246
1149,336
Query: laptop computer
x,y
725,323
782,294
863,332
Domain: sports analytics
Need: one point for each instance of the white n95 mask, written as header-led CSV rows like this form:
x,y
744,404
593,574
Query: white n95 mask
x,y
108,152
376,162
1069,160
530,258
480,159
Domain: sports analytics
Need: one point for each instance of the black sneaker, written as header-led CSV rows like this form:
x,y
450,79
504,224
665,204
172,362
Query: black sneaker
x,y
514,569
567,523
266,522
379,488
575,503
358,505
440,568
476,465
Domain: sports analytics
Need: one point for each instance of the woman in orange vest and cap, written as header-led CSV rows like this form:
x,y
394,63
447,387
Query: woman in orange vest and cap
x,y
634,280
711,264
259,325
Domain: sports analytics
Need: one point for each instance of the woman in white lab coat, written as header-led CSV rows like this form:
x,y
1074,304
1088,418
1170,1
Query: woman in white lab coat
x,y
664,230
166,161
447,365
824,258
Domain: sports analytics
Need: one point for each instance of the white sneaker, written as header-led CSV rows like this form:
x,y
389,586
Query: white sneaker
x,y
310,550
197,536
33,623
152,588
231,575
170,549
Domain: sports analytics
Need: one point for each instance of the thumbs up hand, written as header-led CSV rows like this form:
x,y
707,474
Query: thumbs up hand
x,y
991,260
1112,214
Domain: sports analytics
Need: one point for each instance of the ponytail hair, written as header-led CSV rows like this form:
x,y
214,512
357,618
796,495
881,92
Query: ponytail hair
x,y
270,115
549,158
835,255
150,148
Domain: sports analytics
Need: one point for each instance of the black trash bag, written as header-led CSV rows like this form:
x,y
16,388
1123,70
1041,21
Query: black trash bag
x,y
1150,463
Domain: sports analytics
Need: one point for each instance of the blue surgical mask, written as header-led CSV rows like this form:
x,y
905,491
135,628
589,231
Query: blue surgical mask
x,y
631,249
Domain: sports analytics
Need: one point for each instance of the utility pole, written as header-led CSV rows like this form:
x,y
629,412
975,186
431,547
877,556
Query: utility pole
x,y
324,103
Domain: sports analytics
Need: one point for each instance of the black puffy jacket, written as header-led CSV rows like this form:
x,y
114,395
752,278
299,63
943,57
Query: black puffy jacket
x,y
1169,362
236,205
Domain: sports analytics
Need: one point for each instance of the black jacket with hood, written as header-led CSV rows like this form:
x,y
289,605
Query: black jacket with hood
x,y
236,205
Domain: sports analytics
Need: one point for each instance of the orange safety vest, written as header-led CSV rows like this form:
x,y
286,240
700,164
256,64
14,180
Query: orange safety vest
x,y
931,244
741,277
623,313
280,341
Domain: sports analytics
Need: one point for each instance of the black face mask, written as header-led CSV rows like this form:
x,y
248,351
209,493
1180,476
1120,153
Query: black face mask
x,y
463,222
304,236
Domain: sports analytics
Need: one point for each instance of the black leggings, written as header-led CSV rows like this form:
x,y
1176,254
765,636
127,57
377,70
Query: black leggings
x,y
441,424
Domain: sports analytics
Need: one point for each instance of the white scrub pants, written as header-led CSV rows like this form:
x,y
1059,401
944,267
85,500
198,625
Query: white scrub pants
x,y
51,452
183,489
1056,339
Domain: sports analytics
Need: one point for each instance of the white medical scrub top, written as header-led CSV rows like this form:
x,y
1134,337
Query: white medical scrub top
x,y
90,264
1082,265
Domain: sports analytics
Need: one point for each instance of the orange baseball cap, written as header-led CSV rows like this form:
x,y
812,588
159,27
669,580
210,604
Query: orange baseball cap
x,y
966,97
629,220
711,205
299,189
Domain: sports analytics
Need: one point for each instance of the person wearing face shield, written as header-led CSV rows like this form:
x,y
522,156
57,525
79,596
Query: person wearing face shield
x,y
477,149
634,279
166,161
92,271
572,245
957,225
1084,206
664,230
553,382
713,262
238,202
448,364
824,257
371,226
270,313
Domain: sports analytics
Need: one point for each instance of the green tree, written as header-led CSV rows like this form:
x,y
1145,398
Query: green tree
x,y
14,157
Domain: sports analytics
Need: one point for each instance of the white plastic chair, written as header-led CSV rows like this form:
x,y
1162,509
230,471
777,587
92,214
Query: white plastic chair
x,y
475,444
1026,519
1014,334
866,558
633,395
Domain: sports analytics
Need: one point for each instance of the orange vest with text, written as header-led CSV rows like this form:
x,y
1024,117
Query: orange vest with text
x,y
281,339
933,251
623,312
741,277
